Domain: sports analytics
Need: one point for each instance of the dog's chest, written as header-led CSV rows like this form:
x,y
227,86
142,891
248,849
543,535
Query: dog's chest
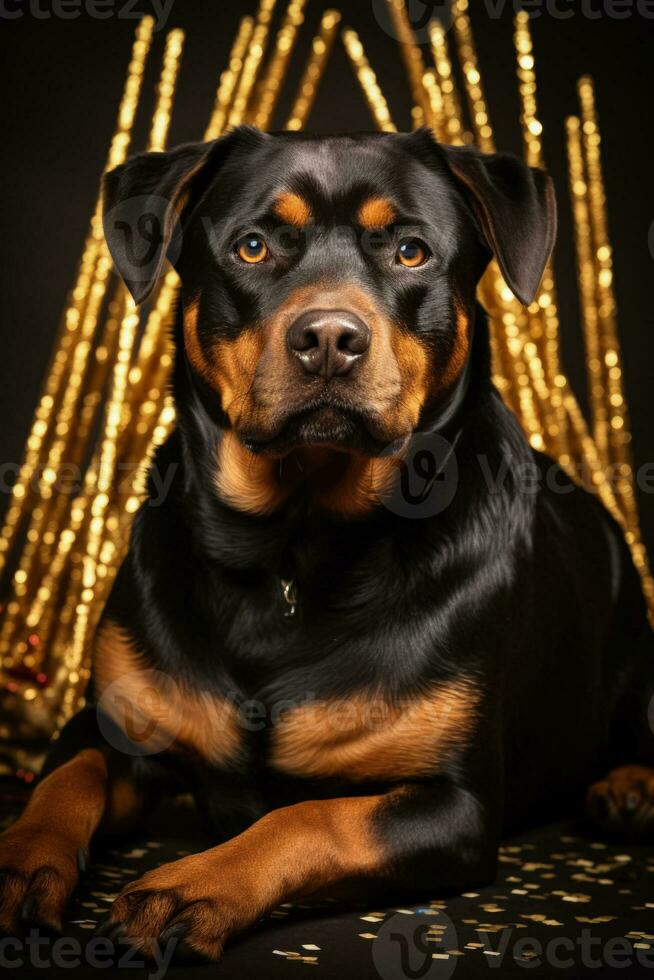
x,y
367,737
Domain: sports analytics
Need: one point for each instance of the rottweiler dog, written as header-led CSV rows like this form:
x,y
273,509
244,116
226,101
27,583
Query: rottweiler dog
x,y
352,628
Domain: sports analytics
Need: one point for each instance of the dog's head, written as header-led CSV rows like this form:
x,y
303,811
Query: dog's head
x,y
329,283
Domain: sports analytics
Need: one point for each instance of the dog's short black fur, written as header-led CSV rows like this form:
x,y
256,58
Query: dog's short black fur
x,y
365,697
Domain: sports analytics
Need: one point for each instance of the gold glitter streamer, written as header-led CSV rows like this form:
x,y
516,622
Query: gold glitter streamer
x,y
617,437
321,48
619,434
368,80
586,276
229,79
270,85
473,85
543,313
43,603
455,131
421,112
73,423
166,90
436,106
42,426
252,64
105,481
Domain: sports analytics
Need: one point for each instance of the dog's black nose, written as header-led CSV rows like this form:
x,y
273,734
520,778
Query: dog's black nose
x,y
328,342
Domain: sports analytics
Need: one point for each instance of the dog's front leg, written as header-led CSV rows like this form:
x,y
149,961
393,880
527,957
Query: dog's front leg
x,y
413,837
86,788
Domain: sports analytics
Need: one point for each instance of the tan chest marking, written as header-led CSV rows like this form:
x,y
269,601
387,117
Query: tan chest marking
x,y
366,738
154,709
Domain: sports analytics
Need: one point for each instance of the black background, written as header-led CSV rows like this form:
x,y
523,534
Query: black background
x,y
63,80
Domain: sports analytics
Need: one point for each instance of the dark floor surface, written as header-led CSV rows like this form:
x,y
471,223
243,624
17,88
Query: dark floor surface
x,y
563,905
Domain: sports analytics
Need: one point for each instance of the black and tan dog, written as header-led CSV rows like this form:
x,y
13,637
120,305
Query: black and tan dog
x,y
360,701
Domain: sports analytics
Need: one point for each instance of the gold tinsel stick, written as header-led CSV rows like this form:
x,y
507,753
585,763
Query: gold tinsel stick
x,y
50,501
368,80
588,300
321,47
105,482
455,131
229,79
252,63
543,314
619,434
415,66
102,478
271,83
481,125
51,557
76,414
42,426
617,437
437,117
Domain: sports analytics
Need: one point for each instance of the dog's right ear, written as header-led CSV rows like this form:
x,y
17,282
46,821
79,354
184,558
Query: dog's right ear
x,y
147,200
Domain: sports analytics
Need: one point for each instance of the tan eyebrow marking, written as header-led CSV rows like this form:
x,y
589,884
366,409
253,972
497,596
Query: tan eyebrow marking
x,y
376,212
293,209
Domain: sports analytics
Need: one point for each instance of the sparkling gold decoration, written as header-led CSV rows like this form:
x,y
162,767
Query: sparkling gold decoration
x,y
63,542
413,60
42,426
320,50
251,64
270,86
368,81
455,131
483,133
229,78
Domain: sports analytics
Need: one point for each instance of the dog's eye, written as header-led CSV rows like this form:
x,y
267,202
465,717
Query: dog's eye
x,y
412,253
251,248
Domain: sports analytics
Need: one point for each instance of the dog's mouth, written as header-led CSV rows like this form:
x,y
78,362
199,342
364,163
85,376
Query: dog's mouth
x,y
324,424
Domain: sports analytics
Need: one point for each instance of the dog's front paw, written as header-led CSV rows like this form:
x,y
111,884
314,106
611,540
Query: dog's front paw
x,y
181,902
38,874
623,803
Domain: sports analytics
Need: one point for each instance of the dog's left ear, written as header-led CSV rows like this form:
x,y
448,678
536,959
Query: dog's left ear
x,y
515,206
